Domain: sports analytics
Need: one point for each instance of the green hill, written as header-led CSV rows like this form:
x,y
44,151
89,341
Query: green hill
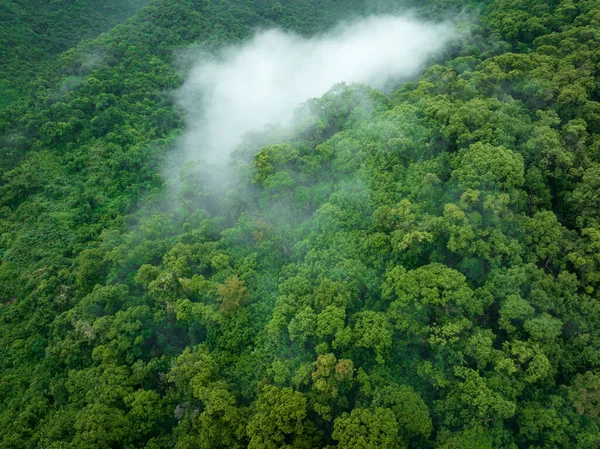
x,y
414,269
33,33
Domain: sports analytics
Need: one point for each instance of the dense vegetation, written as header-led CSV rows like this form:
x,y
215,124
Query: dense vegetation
x,y
34,32
418,269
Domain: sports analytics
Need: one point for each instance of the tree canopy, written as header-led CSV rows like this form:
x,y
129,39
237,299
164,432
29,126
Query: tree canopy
x,y
414,268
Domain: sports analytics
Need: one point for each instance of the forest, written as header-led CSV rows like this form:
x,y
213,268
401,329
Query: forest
x,y
413,267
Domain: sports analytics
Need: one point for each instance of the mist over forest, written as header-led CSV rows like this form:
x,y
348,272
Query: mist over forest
x,y
261,82
304,224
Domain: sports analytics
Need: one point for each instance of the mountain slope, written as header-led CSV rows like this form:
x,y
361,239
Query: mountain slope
x,y
416,269
33,33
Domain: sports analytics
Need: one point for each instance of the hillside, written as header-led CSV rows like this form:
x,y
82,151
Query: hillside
x,y
414,268
33,33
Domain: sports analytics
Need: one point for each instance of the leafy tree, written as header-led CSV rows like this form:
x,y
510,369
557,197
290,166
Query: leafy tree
x,y
367,428
280,420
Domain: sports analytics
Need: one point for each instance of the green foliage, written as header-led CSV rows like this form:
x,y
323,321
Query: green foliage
x,y
364,428
412,269
280,420
34,32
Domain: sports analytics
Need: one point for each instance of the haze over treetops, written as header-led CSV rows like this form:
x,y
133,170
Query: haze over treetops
x,y
301,224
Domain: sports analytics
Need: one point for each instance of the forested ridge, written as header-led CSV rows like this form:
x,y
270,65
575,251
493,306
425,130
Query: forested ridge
x,y
34,32
410,269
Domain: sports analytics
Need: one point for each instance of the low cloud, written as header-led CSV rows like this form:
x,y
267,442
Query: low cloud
x,y
264,80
